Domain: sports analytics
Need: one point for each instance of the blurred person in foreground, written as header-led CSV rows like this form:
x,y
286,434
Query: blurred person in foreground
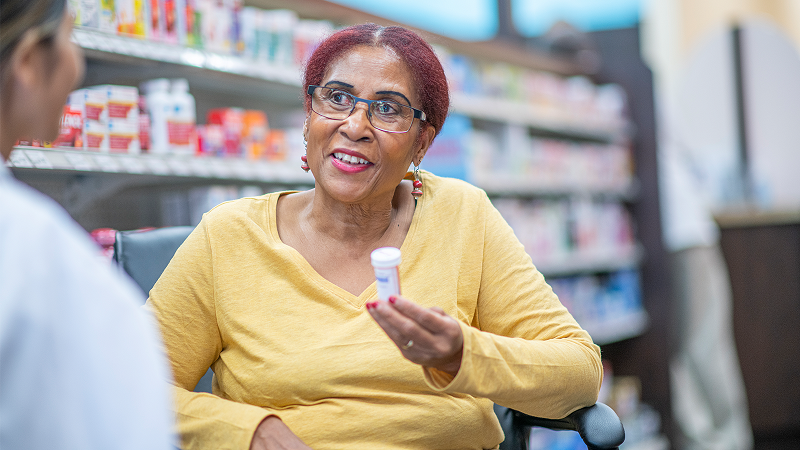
x,y
80,363
277,294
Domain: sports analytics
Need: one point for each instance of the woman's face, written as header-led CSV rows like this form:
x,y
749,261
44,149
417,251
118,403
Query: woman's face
x,y
373,73
41,78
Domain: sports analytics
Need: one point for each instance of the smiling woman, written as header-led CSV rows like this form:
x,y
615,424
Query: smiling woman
x,y
277,293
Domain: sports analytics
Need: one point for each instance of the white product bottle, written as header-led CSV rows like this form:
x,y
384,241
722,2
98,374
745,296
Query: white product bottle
x,y
160,107
386,262
182,123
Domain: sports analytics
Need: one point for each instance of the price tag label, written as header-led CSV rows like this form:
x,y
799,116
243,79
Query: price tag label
x,y
180,166
133,164
79,161
158,166
19,159
39,159
201,167
220,168
107,163
242,169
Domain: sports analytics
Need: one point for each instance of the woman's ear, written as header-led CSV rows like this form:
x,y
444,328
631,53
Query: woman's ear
x,y
25,65
424,143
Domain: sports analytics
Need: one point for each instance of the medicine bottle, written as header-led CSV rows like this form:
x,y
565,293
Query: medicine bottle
x,y
386,262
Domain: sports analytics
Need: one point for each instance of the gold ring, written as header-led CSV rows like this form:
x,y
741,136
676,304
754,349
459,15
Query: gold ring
x,y
408,345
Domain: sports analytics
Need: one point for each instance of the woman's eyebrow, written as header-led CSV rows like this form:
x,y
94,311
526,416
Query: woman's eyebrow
x,y
395,93
340,83
350,86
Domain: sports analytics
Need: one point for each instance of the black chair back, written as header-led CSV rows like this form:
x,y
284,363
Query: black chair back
x,y
144,254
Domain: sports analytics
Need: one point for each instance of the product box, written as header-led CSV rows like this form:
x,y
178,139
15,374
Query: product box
x,y
92,103
154,27
144,125
71,134
254,134
281,24
277,146
232,122
122,102
75,9
216,25
191,24
95,136
123,136
210,140
88,13
132,17
108,16
250,22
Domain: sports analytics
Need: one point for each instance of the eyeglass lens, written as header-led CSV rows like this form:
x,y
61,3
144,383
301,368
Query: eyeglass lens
x,y
384,115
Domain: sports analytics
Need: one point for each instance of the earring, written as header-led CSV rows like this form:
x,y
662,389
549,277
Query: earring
x,y
417,191
304,158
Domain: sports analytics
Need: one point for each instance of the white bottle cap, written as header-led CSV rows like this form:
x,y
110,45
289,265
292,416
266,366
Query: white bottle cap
x,y
180,85
156,85
385,257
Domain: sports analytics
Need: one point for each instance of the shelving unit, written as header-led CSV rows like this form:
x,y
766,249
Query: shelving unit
x,y
95,179
165,166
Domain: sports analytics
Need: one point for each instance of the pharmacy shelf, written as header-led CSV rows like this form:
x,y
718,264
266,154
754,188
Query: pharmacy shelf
x,y
284,82
618,328
509,186
550,120
577,263
163,166
104,43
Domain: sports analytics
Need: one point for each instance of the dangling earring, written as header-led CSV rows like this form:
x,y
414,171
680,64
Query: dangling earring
x,y
417,191
304,158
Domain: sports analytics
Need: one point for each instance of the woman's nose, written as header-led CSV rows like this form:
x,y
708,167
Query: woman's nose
x,y
357,126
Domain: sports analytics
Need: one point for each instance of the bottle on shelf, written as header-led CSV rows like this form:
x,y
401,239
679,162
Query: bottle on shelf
x,y
160,109
182,122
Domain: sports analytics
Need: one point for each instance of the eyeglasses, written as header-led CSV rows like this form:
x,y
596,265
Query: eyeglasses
x,y
384,115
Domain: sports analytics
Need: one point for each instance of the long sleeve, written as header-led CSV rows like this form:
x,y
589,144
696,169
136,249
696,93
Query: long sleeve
x,y
183,301
523,349
81,366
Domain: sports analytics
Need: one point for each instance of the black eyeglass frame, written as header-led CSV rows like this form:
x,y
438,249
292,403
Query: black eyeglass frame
x,y
418,114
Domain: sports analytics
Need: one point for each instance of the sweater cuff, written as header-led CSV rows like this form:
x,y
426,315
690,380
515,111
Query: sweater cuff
x,y
444,382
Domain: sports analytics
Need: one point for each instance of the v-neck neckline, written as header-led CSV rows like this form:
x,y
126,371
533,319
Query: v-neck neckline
x,y
370,291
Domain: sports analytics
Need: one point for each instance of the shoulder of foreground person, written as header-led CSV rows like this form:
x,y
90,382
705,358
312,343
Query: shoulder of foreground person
x,y
81,362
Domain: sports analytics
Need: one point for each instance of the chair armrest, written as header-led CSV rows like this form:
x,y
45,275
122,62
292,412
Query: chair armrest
x,y
598,425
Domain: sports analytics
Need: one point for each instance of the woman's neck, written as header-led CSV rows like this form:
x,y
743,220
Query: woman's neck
x,y
359,224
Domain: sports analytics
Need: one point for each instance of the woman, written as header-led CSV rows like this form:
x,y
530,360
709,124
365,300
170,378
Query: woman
x,y
80,365
275,293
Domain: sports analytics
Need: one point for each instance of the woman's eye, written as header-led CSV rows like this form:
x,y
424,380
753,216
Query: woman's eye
x,y
340,98
387,108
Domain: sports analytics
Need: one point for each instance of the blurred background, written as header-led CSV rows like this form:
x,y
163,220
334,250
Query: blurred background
x,y
644,151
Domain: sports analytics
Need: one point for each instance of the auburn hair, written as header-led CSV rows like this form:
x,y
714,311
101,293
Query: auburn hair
x,y
426,69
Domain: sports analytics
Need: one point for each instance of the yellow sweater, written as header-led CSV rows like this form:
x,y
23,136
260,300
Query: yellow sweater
x,y
283,340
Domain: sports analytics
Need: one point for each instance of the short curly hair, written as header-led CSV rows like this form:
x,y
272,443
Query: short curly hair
x,y
425,67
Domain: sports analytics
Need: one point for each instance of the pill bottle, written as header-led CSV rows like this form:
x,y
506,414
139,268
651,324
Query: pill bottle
x,y
161,109
386,262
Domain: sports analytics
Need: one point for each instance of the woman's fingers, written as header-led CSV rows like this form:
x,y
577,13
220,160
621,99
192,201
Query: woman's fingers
x,y
435,338
432,319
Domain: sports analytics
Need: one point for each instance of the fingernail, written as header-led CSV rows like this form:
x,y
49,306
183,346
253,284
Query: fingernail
x,y
392,299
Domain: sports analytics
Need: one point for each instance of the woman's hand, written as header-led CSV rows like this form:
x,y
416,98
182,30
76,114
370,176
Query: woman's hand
x,y
428,337
273,434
